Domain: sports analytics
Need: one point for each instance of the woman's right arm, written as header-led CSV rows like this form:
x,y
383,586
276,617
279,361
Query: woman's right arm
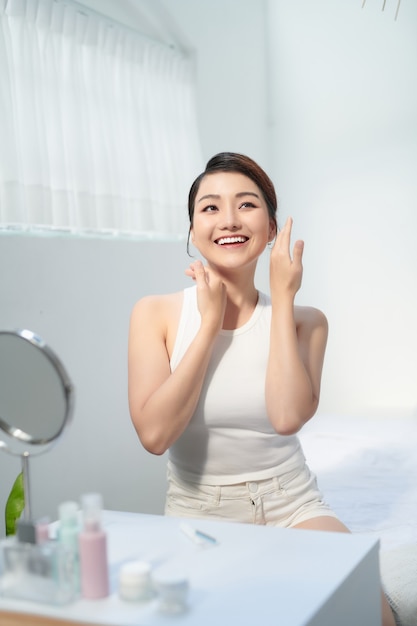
x,y
162,402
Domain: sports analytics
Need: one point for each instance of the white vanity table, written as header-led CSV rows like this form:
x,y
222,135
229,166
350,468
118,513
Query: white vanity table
x,y
253,575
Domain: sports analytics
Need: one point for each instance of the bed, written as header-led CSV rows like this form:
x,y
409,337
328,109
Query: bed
x,y
367,471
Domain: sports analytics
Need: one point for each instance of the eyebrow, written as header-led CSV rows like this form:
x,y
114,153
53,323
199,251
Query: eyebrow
x,y
215,196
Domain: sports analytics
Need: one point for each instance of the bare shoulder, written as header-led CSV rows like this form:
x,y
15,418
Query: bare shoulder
x,y
309,318
157,307
157,316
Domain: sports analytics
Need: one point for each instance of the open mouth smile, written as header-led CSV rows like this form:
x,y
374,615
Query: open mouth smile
x,y
231,240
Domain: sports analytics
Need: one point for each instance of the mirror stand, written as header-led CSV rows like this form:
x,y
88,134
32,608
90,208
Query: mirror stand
x,y
25,526
27,511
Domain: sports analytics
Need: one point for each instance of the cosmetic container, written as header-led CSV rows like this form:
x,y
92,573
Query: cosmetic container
x,y
172,588
68,531
94,569
135,582
37,573
25,531
42,530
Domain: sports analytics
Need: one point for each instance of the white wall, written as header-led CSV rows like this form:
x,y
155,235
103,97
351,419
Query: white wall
x,y
344,87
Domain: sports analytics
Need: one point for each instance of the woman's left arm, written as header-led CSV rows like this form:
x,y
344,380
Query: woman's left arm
x,y
297,343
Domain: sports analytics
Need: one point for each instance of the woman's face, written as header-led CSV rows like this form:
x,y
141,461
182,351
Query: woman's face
x,y
231,224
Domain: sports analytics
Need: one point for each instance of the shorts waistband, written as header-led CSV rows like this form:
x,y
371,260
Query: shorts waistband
x,y
251,488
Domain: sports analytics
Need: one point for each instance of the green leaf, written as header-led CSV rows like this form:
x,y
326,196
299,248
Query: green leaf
x,y
14,505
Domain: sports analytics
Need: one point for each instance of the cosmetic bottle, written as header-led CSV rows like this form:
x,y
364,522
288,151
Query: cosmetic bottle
x,y
68,531
42,530
94,569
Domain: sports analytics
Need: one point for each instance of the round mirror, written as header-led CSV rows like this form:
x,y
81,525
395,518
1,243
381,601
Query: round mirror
x,y
36,399
35,393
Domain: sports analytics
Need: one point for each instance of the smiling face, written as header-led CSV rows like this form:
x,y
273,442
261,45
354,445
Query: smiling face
x,y
231,224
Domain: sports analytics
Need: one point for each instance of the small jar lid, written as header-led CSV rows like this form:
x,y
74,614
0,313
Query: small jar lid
x,y
135,582
135,573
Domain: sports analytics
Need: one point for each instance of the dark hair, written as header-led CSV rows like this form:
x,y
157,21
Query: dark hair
x,y
234,162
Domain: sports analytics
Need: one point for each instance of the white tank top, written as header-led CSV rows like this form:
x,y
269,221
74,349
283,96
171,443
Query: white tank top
x,y
230,438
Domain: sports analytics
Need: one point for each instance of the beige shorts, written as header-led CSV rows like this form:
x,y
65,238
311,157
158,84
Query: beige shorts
x,y
279,501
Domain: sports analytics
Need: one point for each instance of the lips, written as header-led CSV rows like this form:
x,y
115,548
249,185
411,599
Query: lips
x,y
230,240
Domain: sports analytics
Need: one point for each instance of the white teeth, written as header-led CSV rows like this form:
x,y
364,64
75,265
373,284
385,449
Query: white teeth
x,y
231,240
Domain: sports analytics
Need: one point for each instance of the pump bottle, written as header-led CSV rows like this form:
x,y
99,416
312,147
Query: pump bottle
x,y
94,571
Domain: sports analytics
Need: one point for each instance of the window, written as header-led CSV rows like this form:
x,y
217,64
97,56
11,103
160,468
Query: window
x,y
98,124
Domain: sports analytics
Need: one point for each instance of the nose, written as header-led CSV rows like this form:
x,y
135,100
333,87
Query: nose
x,y
230,219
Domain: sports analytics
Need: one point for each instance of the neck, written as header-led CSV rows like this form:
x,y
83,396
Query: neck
x,y
239,306
242,296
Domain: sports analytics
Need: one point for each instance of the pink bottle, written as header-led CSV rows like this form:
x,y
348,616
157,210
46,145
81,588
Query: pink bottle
x,y
94,568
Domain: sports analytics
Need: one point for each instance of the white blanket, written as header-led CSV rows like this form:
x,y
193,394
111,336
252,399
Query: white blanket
x,y
367,471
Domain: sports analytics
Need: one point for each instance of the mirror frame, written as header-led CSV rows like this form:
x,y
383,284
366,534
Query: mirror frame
x,y
67,387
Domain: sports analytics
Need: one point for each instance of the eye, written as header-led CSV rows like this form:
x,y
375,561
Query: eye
x,y
247,205
209,208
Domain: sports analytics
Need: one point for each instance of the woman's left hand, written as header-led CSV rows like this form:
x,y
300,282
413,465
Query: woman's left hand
x,y
285,272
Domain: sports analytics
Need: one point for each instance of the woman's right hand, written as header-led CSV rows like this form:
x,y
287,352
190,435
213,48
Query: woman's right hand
x,y
211,295
285,272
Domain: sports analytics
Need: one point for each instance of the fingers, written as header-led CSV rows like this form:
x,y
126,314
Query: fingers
x,y
189,272
286,268
284,234
197,272
283,242
211,294
298,250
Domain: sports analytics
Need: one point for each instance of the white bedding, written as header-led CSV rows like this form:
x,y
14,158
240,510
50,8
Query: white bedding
x,y
367,471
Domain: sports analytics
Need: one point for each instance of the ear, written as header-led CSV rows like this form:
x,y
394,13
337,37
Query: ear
x,y
272,230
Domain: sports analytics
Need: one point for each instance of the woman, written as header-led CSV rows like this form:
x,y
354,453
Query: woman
x,y
224,376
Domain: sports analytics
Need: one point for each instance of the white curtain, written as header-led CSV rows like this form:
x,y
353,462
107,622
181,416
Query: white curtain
x,y
98,127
